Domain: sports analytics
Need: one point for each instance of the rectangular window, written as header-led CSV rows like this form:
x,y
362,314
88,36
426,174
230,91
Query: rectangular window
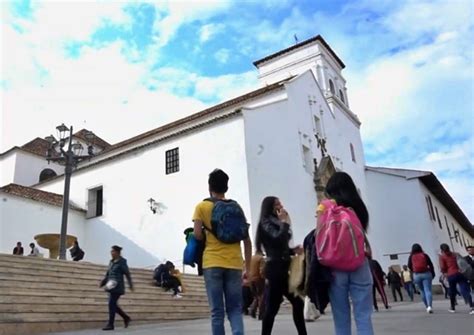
x,y
95,201
439,221
393,257
307,159
317,126
172,160
429,204
454,232
449,231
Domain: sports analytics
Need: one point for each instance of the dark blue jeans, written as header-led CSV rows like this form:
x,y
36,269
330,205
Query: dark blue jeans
x,y
225,285
114,308
459,279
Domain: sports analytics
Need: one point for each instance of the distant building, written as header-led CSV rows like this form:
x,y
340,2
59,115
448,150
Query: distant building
x,y
409,206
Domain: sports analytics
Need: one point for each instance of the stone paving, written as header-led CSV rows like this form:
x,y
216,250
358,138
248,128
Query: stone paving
x,y
403,318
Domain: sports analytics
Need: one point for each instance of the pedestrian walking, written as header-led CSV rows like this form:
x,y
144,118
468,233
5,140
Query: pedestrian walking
x,y
422,268
395,282
345,203
378,277
273,237
257,284
407,281
470,259
114,284
222,258
449,266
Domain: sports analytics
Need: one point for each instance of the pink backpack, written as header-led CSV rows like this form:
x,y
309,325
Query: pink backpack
x,y
340,238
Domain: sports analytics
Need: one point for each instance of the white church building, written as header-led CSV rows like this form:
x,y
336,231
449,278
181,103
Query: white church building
x,y
270,142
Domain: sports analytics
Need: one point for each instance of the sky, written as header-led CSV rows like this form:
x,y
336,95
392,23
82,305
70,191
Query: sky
x,y
122,68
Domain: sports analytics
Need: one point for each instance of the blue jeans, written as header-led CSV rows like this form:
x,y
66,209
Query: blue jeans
x,y
424,282
225,284
409,288
358,285
458,279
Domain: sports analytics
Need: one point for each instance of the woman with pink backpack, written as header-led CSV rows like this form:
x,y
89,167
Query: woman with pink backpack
x,y
341,245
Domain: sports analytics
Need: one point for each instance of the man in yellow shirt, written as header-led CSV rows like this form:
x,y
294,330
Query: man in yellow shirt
x,y
407,280
222,262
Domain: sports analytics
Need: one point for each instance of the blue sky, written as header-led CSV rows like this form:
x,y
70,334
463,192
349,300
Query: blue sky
x,y
102,64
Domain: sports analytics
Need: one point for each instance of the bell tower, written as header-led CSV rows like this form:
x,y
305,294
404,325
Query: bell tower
x,y
313,54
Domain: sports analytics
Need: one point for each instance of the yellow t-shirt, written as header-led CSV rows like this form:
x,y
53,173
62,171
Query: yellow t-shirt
x,y
216,253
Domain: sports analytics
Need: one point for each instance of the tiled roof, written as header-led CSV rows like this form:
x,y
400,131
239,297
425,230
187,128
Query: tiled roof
x,y
299,45
435,187
81,134
37,195
37,146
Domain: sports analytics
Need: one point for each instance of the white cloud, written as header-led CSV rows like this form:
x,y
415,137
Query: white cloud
x,y
208,31
176,13
222,55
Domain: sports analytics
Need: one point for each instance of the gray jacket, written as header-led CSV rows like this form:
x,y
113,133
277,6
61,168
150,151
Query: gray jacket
x,y
117,269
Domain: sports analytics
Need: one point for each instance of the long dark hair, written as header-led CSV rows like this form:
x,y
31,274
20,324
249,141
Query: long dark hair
x,y
445,248
416,249
342,189
267,210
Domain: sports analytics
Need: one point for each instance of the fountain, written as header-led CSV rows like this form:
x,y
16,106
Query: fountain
x,y
51,242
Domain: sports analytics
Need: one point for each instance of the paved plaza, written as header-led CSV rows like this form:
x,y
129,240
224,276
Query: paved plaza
x,y
404,318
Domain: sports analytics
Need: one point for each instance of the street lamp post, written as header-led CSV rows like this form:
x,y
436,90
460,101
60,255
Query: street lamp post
x,y
69,158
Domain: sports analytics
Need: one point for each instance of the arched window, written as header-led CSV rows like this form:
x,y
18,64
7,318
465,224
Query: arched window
x,y
353,153
331,87
341,95
47,174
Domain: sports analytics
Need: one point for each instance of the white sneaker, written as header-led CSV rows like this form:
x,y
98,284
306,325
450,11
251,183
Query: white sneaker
x,y
451,311
429,310
471,312
177,296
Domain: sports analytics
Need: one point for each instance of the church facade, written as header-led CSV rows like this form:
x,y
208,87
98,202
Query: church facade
x,y
277,140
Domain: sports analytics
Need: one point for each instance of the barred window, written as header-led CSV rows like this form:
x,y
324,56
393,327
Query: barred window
x,y
172,160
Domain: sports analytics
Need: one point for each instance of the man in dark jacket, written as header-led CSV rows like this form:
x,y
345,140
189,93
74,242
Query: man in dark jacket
x,y
115,285
470,260
395,283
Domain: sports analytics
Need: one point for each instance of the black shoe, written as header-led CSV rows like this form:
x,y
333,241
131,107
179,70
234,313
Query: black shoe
x,y
108,327
126,322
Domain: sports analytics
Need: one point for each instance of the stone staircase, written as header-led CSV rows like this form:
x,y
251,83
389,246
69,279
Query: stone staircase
x,y
40,295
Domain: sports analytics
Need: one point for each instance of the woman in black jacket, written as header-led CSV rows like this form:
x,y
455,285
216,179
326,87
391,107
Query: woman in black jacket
x,y
115,286
274,234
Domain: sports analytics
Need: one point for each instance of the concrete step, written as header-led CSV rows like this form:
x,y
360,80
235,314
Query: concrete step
x,y
63,278
43,295
100,317
53,290
100,308
38,264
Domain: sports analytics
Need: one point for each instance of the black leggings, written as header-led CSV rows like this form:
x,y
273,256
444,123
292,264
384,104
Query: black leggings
x,y
277,286
396,289
115,309
171,283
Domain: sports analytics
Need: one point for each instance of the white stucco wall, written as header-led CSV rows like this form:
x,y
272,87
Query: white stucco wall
x,y
7,168
21,219
130,181
23,168
442,234
275,135
399,218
